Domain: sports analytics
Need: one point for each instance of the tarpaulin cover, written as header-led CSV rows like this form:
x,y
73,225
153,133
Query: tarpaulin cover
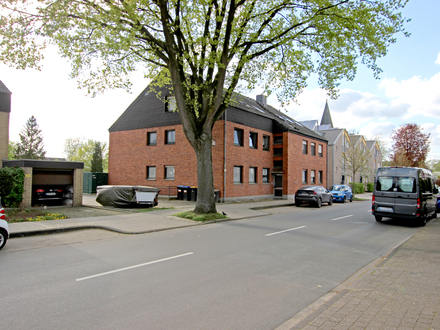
x,y
127,195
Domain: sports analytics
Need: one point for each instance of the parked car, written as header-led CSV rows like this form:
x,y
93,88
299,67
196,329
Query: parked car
x,y
313,195
341,193
404,192
44,194
4,228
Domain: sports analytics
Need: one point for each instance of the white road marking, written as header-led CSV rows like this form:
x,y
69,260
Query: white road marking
x,y
132,267
347,216
283,231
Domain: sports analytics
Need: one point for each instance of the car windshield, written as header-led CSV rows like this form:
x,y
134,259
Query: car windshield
x,y
337,188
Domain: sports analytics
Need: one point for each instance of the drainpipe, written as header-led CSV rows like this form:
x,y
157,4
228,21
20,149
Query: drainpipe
x,y
224,162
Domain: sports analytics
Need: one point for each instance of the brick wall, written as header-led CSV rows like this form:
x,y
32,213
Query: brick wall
x,y
129,156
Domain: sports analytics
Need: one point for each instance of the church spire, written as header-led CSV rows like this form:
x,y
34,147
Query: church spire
x,y
326,117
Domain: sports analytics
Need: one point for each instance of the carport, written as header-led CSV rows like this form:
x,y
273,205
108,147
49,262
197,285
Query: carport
x,y
68,175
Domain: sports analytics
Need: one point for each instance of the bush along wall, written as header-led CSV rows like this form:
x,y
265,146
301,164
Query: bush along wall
x,y
11,186
359,188
370,186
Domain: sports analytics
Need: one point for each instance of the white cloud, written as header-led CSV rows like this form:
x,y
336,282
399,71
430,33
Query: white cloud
x,y
422,95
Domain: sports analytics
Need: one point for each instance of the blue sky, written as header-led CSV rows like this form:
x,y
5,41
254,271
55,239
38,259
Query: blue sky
x,y
408,92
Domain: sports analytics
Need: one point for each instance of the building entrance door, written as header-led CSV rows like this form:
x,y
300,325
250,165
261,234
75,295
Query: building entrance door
x,y
278,186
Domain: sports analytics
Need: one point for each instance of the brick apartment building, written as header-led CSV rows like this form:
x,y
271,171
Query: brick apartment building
x,y
257,151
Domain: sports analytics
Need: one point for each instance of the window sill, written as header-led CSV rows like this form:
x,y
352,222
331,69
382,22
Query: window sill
x,y
238,183
151,179
169,179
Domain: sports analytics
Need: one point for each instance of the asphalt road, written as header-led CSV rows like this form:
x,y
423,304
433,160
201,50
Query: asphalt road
x,y
248,274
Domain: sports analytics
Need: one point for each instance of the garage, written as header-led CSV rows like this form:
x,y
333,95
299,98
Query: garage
x,y
50,182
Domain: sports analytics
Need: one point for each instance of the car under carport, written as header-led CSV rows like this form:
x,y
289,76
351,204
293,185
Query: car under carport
x,y
43,175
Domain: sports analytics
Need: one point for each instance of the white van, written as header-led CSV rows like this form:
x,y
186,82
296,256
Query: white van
x,y
404,192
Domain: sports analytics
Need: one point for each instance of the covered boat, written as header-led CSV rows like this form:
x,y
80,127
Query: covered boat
x,y
125,196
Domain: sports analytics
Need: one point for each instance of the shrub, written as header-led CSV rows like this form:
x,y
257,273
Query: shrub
x,y
370,186
359,188
11,186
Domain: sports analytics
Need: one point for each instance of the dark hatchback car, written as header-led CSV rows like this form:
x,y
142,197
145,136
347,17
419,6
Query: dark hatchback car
x,y
313,195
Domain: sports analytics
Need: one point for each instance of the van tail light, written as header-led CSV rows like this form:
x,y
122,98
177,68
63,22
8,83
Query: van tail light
x,y
39,190
3,217
373,200
418,203
60,190
2,211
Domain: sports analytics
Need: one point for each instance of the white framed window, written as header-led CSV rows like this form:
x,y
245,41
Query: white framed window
x,y
169,172
266,142
304,147
238,174
312,177
151,138
171,104
170,137
304,176
238,137
265,175
252,175
151,172
320,150
253,140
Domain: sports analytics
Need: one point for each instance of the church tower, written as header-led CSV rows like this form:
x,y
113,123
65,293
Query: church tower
x,y
326,117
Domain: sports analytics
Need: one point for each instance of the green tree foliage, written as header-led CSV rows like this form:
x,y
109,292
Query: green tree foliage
x,y
31,142
355,158
11,186
80,150
410,146
96,163
204,49
11,150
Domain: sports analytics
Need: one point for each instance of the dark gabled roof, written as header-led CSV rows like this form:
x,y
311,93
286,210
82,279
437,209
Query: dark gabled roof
x,y
147,110
4,89
332,135
326,117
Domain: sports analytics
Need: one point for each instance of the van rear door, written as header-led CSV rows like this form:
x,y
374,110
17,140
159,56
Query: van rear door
x,y
406,195
384,192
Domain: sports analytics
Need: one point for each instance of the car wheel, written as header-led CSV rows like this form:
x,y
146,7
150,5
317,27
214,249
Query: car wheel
x,y
378,218
330,202
344,200
319,202
3,238
297,204
351,198
434,215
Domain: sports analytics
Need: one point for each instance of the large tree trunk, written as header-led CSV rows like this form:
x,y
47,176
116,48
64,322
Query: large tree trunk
x,y
205,178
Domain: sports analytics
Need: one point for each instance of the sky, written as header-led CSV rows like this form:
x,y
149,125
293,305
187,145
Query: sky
x,y
408,91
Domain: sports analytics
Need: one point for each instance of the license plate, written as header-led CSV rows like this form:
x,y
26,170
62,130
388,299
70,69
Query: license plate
x,y
385,209
51,194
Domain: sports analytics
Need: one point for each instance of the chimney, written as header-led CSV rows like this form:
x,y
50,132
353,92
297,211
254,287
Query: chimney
x,y
262,99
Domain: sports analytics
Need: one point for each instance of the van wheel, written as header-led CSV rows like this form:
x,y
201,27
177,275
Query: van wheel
x,y
423,219
378,218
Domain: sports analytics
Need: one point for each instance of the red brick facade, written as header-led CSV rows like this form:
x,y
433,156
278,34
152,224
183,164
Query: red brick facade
x,y
129,156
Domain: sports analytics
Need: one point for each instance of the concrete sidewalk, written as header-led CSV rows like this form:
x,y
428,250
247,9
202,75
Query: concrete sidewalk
x,y
134,220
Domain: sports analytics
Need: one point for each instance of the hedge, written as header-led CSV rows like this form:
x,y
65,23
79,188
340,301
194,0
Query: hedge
x,y
11,186
370,186
359,188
